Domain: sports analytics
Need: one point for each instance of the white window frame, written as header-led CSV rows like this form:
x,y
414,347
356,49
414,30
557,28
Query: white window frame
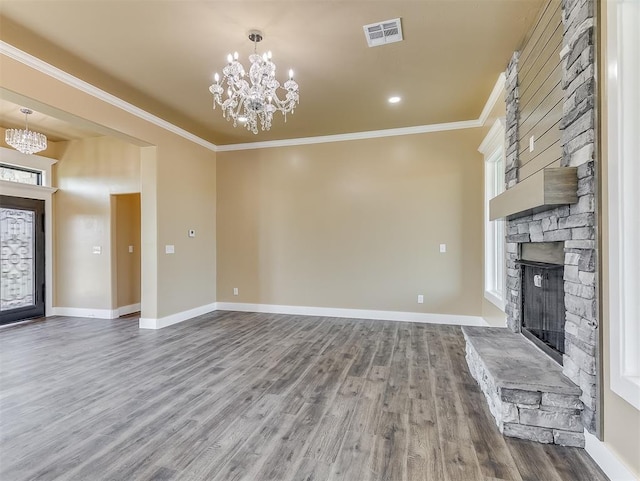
x,y
623,154
492,148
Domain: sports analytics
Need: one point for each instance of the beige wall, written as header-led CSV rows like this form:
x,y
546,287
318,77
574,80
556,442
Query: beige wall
x,y
126,234
87,173
177,193
354,224
186,184
621,428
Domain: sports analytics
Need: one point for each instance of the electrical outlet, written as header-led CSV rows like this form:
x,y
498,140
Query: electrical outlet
x,y
235,291
130,249
97,250
420,299
443,247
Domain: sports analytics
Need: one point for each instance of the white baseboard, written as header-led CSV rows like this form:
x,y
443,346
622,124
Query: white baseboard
x,y
82,312
152,323
355,313
95,313
159,323
608,461
131,308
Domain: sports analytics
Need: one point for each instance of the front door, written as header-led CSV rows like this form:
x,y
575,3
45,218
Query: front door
x,y
21,258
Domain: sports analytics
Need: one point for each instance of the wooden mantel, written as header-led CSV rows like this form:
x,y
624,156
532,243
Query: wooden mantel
x,y
545,189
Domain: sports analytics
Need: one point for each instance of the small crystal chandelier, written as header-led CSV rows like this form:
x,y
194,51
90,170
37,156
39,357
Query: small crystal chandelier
x,y
257,100
25,141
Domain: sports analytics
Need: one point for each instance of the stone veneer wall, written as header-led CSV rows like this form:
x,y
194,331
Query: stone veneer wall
x,y
575,224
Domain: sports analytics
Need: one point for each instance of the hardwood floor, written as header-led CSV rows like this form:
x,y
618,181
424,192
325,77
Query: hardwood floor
x,y
239,396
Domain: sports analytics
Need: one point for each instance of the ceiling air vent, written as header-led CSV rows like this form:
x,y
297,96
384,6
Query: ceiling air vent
x,y
382,33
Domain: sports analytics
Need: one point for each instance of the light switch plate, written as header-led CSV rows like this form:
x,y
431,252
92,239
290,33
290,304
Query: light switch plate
x,y
443,247
169,249
130,249
97,249
532,143
420,299
192,232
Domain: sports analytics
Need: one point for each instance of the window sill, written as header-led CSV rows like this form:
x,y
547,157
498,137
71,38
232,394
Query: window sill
x,y
628,388
495,299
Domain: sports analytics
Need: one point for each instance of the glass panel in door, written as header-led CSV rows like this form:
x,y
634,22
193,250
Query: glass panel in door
x,y
21,259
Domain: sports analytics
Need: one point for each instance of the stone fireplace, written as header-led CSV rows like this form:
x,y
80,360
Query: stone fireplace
x,y
562,218
575,224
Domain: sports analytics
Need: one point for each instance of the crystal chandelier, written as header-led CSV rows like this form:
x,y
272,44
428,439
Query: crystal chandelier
x,y
255,100
25,141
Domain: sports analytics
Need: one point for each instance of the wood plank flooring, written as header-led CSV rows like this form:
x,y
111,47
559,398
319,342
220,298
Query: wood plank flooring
x,y
243,396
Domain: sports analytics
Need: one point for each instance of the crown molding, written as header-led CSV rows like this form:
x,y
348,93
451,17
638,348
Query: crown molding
x,y
371,134
495,94
494,136
54,72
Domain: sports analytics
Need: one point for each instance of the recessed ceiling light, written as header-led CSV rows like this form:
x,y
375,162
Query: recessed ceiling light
x,y
394,100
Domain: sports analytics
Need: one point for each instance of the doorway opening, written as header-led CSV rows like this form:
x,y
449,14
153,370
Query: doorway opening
x,y
126,249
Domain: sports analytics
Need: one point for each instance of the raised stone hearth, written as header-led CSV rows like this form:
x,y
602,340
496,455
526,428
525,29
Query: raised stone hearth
x,y
527,393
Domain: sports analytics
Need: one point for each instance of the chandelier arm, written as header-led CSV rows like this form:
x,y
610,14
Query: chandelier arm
x,y
238,109
284,106
279,103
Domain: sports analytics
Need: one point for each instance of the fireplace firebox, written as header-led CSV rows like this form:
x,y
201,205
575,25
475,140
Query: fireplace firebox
x,y
543,309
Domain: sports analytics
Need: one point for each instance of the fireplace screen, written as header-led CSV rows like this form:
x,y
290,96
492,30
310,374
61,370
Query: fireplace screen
x,y
543,312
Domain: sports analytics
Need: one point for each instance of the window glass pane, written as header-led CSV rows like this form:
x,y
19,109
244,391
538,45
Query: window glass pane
x,y
492,148
23,176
